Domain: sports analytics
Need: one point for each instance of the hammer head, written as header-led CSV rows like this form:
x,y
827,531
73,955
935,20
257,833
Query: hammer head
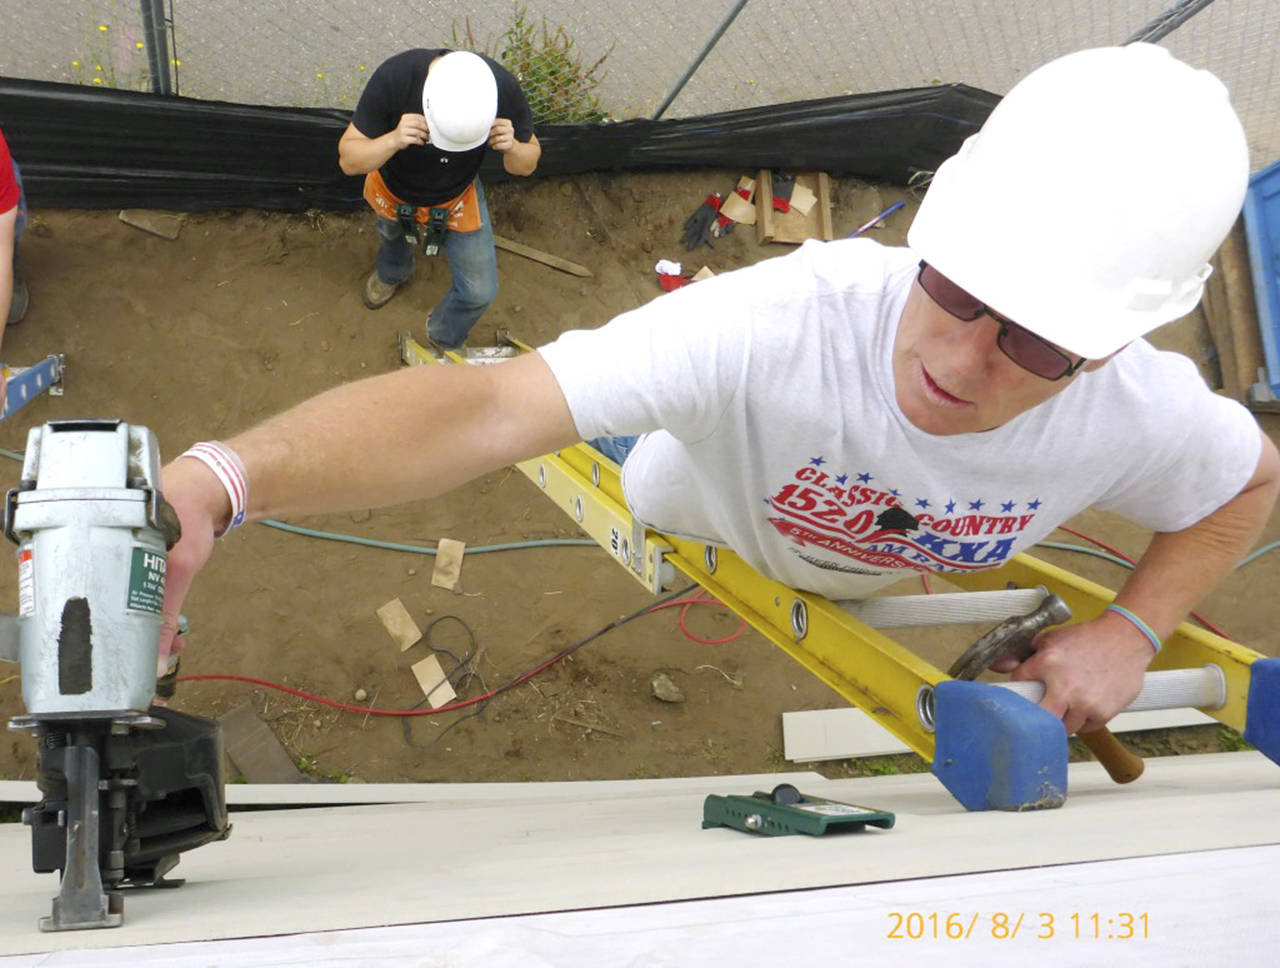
x,y
1012,635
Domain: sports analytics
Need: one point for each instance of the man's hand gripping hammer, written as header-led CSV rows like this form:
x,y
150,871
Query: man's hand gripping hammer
x,y
1015,636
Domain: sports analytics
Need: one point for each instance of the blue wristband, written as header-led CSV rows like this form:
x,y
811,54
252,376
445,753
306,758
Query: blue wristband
x,y
1137,623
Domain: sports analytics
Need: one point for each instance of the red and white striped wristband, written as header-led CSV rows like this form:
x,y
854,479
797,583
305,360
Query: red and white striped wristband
x,y
228,468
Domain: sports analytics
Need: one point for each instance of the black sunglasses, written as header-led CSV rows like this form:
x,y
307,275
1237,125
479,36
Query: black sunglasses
x,y
1031,352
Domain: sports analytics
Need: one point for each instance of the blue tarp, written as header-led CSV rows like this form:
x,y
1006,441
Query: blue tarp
x,y
1262,225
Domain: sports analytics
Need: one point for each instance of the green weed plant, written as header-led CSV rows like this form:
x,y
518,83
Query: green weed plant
x,y
560,87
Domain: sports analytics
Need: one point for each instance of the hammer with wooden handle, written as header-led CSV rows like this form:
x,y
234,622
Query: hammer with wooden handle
x,y
1015,635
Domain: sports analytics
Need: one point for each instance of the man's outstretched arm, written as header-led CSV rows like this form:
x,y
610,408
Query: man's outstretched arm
x,y
389,439
1094,669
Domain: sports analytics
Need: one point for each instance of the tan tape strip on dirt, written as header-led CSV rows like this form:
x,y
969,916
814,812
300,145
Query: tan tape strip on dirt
x,y
399,623
431,677
448,567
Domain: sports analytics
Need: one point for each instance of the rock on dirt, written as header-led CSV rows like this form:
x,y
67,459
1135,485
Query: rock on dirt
x,y
664,688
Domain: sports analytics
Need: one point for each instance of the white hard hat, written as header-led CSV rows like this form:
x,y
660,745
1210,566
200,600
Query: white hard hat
x,y
460,101
1088,205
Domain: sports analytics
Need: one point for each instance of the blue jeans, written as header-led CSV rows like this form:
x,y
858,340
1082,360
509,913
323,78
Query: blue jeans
x,y
21,222
473,266
16,299
615,448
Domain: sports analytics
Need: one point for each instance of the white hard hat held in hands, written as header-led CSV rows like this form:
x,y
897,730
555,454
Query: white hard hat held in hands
x,y
1087,207
460,101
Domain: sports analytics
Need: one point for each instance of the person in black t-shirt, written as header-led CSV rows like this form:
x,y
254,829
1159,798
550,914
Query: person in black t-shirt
x,y
419,134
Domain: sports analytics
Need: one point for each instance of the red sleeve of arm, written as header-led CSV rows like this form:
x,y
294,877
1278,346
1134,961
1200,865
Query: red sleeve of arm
x,y
8,185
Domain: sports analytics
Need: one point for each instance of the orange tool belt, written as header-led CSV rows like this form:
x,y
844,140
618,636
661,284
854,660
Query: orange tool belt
x,y
464,210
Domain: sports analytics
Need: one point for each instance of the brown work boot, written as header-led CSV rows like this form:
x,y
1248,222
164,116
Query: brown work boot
x,y
376,292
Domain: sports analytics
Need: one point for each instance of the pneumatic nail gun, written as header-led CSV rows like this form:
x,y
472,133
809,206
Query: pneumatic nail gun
x,y
126,786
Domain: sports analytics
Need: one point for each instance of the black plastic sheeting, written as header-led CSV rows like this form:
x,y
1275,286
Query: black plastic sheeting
x,y
82,147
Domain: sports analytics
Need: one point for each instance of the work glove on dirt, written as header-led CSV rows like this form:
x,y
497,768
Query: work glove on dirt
x,y
783,185
697,227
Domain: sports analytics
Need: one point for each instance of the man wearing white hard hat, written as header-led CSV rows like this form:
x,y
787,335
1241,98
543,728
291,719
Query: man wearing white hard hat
x,y
853,414
419,134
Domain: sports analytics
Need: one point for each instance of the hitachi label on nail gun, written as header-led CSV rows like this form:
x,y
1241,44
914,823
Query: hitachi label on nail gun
x,y
146,581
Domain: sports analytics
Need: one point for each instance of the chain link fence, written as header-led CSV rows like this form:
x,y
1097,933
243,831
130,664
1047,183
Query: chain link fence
x,y
621,59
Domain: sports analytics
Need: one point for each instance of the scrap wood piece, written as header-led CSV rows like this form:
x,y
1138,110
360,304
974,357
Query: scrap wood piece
x,y
1231,314
537,255
165,226
448,566
825,229
793,226
1243,326
434,683
1214,307
803,198
254,749
399,623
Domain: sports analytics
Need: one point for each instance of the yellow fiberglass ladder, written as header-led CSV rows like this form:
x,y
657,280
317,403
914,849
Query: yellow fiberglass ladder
x,y
965,729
